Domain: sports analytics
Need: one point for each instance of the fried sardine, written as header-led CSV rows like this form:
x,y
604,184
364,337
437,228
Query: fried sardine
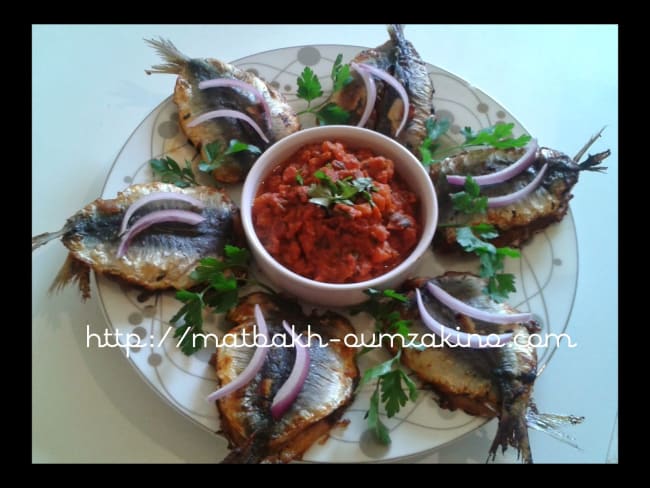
x,y
246,419
161,257
193,102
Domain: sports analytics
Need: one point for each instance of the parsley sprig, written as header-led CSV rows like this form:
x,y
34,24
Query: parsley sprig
x,y
169,171
327,193
470,238
394,388
217,153
220,293
498,136
469,201
310,88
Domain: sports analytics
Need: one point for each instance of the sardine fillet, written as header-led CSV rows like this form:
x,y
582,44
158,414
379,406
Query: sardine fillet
x,y
245,414
493,382
159,258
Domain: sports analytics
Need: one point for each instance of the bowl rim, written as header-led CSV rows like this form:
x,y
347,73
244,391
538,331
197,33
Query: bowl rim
x,y
255,177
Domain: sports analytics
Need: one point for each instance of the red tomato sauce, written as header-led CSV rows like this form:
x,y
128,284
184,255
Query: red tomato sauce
x,y
341,243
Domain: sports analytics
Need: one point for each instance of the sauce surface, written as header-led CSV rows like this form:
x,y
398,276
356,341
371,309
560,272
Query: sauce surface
x,y
335,241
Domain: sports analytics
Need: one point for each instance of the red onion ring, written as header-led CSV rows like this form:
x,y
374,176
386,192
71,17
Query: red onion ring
x,y
233,83
505,200
255,364
156,197
371,93
461,307
157,217
454,337
505,174
228,113
290,389
383,75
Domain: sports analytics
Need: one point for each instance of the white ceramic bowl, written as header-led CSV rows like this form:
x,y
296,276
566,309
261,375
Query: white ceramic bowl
x,y
335,294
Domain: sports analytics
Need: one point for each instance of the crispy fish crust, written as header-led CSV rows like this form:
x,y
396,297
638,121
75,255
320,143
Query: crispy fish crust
x,y
484,382
162,256
245,414
192,102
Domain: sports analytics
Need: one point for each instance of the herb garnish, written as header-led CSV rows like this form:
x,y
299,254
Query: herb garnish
x,y
491,259
327,193
169,171
469,201
310,88
498,136
390,374
220,293
217,153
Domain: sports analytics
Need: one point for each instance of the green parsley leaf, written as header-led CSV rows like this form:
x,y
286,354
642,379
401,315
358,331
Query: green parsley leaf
x,y
299,179
332,114
392,380
469,201
374,422
392,394
192,314
309,87
340,74
498,136
485,231
220,293
217,155
169,171
435,129
491,259
328,192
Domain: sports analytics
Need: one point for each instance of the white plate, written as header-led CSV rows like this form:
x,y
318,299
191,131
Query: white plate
x,y
546,274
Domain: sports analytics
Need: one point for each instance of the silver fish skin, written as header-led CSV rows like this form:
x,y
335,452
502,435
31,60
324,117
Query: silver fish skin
x,y
162,256
398,57
329,387
519,221
484,382
192,102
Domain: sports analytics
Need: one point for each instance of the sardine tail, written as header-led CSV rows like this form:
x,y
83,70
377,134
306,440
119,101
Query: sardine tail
x,y
39,240
550,424
396,33
175,60
593,162
512,431
71,271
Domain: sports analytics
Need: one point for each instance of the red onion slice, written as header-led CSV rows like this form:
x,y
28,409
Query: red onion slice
x,y
505,200
381,74
153,218
461,307
454,337
233,83
290,389
228,113
371,93
255,364
156,197
505,174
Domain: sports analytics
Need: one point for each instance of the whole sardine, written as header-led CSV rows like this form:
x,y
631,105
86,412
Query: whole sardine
x,y
328,389
485,382
192,102
398,57
162,256
519,221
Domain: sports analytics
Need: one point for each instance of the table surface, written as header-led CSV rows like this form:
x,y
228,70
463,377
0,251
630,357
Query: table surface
x,y
89,94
